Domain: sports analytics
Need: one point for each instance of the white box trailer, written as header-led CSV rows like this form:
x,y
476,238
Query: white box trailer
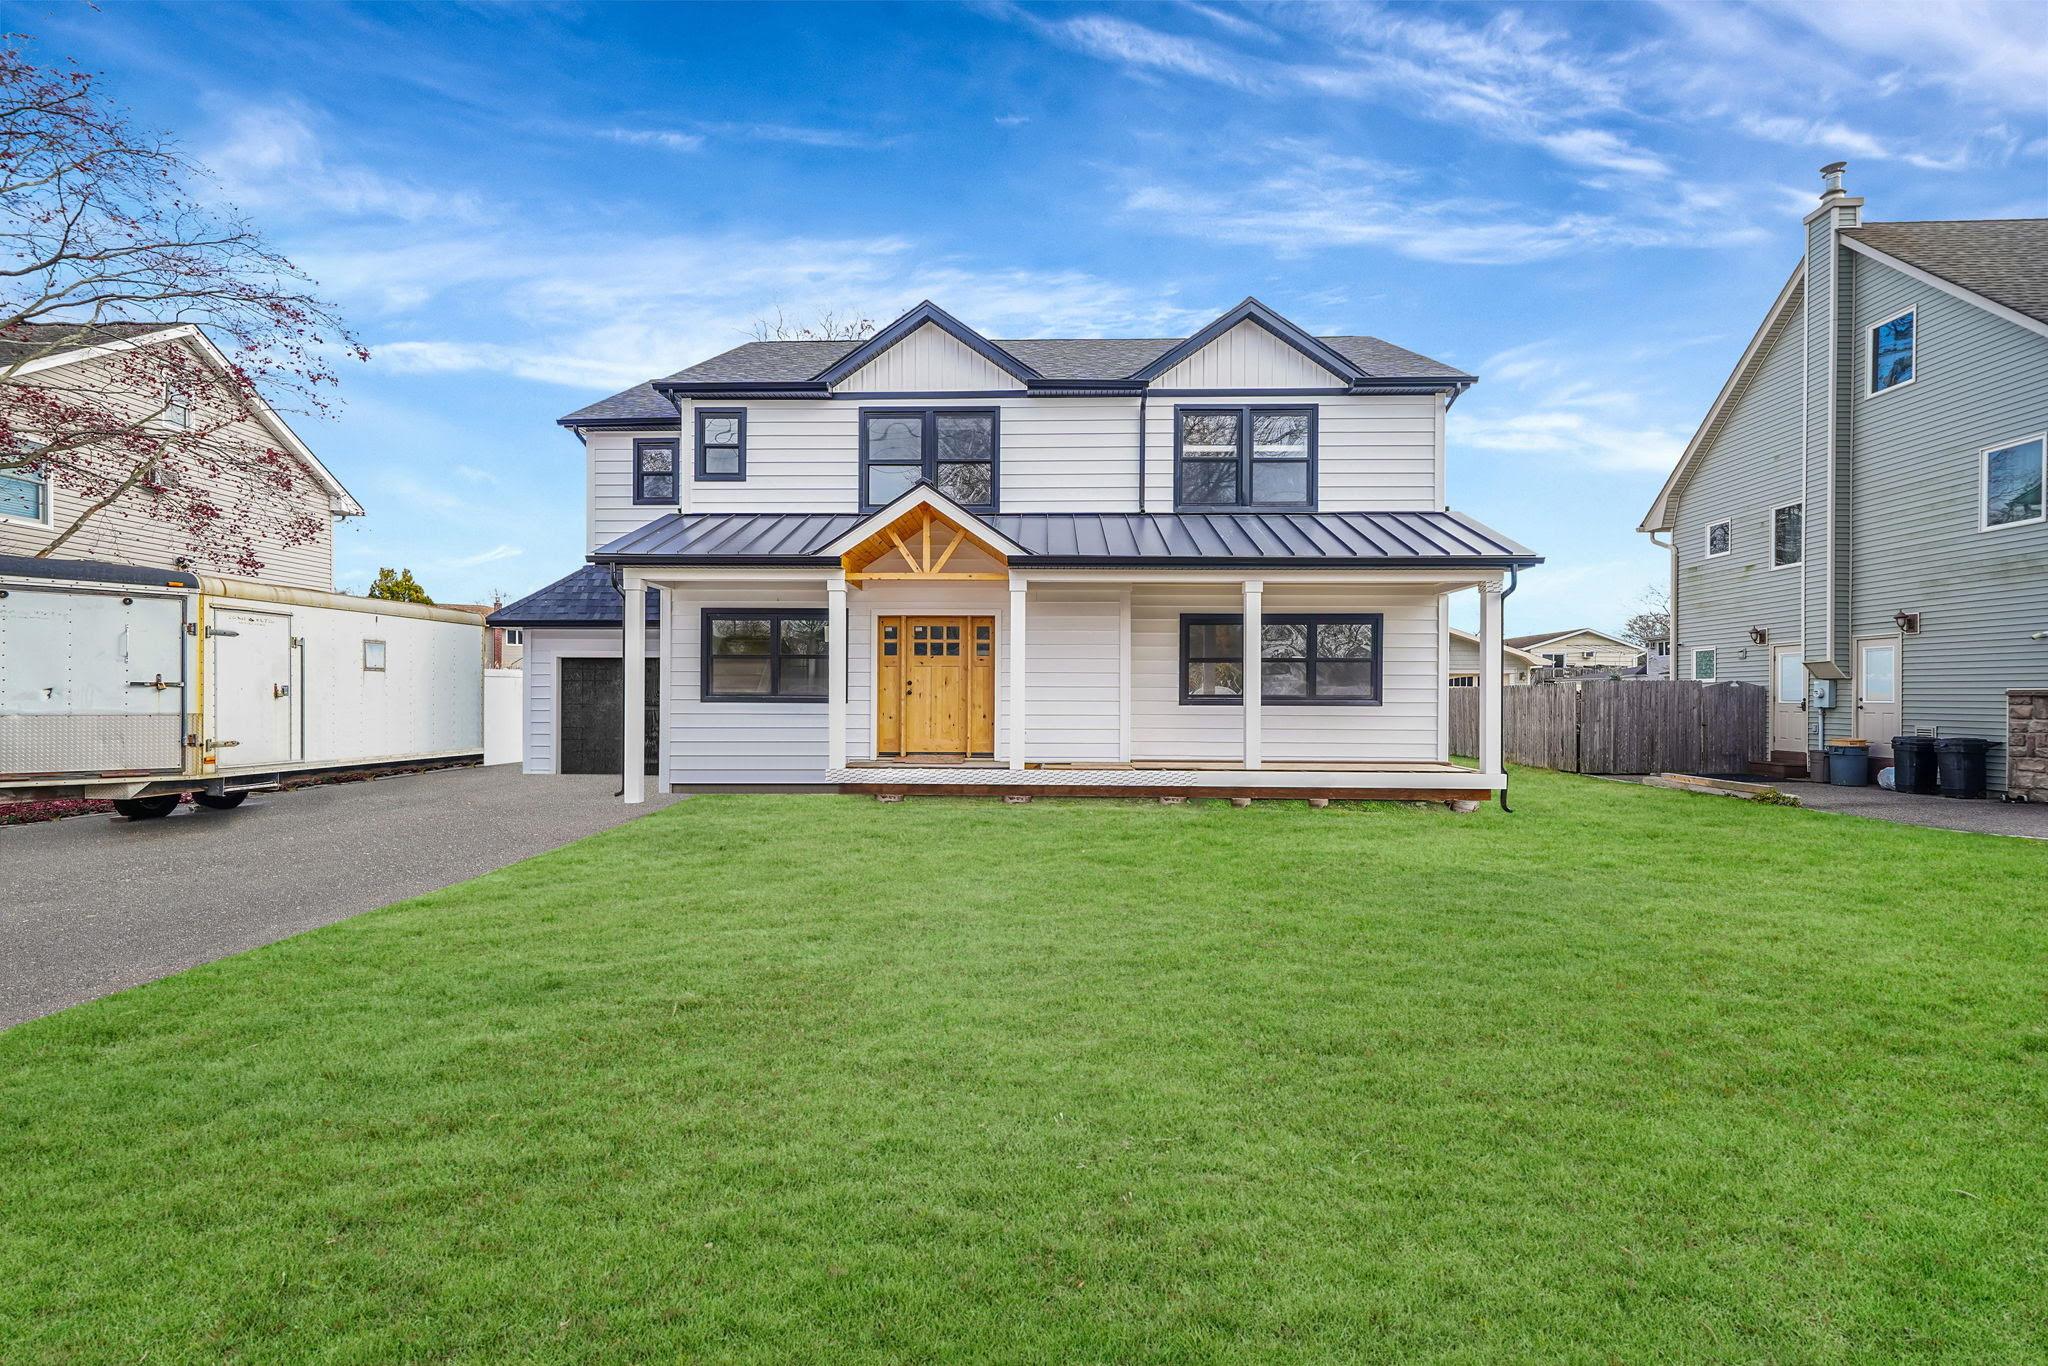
x,y
141,684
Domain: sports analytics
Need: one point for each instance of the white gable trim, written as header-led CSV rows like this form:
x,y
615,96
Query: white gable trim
x,y
1660,516
341,503
1506,649
1933,281
923,495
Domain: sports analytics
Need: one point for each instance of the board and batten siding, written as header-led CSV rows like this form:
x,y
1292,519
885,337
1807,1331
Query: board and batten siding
x,y
929,359
1248,357
1750,468
126,534
545,649
1914,501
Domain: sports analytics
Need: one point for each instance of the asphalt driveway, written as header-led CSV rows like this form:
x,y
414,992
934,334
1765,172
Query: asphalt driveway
x,y
93,904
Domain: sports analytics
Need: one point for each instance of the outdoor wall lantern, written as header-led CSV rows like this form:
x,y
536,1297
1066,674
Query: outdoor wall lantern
x,y
1759,636
1907,622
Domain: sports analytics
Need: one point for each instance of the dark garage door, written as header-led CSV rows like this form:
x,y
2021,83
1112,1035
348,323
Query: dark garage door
x,y
592,714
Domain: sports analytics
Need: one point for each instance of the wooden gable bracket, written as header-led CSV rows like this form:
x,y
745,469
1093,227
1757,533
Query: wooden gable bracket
x,y
911,537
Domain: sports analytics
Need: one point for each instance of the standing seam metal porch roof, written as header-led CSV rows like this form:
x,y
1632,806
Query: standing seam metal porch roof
x,y
1075,540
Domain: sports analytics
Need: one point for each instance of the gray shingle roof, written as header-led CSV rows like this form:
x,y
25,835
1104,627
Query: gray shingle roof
x,y
1072,539
1056,358
30,340
2003,259
582,598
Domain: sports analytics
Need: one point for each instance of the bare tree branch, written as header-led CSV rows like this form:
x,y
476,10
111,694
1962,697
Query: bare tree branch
x,y
106,235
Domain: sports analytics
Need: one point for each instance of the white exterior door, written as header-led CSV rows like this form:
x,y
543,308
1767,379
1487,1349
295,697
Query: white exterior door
x,y
1877,692
249,698
1788,699
91,682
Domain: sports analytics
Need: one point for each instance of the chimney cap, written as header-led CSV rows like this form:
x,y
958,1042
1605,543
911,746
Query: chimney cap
x,y
1834,168
1831,175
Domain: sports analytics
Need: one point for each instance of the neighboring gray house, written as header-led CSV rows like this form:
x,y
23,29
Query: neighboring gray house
x,y
1861,511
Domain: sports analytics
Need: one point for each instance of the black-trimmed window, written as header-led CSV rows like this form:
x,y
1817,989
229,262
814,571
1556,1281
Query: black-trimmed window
x,y
762,655
1305,660
721,443
954,448
654,469
1244,457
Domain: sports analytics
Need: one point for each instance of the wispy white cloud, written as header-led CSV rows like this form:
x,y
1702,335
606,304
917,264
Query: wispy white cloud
x,y
272,157
1570,435
669,139
491,556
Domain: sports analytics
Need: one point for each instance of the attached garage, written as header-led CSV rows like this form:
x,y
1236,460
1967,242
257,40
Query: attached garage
x,y
572,698
592,704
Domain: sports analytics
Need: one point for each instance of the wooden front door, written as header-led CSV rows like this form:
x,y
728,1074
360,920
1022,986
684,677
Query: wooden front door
x,y
935,686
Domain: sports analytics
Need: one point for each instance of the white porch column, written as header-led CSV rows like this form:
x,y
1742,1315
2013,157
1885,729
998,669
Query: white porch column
x,y
1018,714
666,597
1254,681
633,761
1490,665
835,669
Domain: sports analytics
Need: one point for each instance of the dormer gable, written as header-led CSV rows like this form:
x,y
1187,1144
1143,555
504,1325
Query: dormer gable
x,y
926,350
1250,341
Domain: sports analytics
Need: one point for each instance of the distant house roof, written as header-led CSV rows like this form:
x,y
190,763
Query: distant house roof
x,y
1070,540
2001,259
1546,637
1362,362
26,340
1508,648
583,597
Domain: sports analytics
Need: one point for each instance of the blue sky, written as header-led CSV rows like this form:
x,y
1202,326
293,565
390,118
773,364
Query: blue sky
x,y
1590,206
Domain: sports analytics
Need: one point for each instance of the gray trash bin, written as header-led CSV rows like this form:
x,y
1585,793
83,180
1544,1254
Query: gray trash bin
x,y
1848,765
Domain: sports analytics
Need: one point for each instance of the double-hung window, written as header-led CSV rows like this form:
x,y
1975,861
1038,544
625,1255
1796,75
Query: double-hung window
x,y
2011,483
25,494
1327,659
953,448
1892,359
721,443
759,655
1788,530
1242,458
654,469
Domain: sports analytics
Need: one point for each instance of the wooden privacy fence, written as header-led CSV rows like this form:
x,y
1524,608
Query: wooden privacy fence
x,y
1633,726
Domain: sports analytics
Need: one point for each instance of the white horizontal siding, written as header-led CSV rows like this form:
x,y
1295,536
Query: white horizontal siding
x,y
609,509
929,359
1375,452
735,742
1073,668
1403,727
544,650
1248,357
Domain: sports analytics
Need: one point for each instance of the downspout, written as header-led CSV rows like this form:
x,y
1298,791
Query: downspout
x,y
1143,394
1514,582
619,587
1671,605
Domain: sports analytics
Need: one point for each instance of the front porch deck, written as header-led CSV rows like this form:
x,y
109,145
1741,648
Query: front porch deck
x,y
1413,782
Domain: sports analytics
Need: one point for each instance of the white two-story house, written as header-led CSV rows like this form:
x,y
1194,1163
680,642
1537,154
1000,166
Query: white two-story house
x,y
930,561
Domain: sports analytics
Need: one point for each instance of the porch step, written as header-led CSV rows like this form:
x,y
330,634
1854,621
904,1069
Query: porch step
x,y
1782,764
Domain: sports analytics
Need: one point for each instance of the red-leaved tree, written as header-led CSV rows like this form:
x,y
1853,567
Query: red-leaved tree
x,y
191,323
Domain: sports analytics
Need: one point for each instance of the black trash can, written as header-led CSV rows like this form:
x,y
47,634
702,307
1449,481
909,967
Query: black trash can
x,y
1848,765
1959,764
1913,764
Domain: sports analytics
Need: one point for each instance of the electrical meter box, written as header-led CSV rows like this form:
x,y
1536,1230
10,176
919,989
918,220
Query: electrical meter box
x,y
1820,693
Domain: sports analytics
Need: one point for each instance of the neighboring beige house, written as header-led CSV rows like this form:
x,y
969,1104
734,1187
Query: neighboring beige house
x,y
1518,668
1582,647
34,510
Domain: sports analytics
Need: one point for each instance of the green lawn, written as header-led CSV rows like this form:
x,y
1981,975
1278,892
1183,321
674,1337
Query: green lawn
x,y
1625,1075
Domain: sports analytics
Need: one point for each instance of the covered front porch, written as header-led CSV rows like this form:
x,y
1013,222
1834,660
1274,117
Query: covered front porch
x,y
937,653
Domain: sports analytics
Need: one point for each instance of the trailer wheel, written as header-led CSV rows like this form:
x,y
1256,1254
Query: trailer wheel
x,y
146,808
219,801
